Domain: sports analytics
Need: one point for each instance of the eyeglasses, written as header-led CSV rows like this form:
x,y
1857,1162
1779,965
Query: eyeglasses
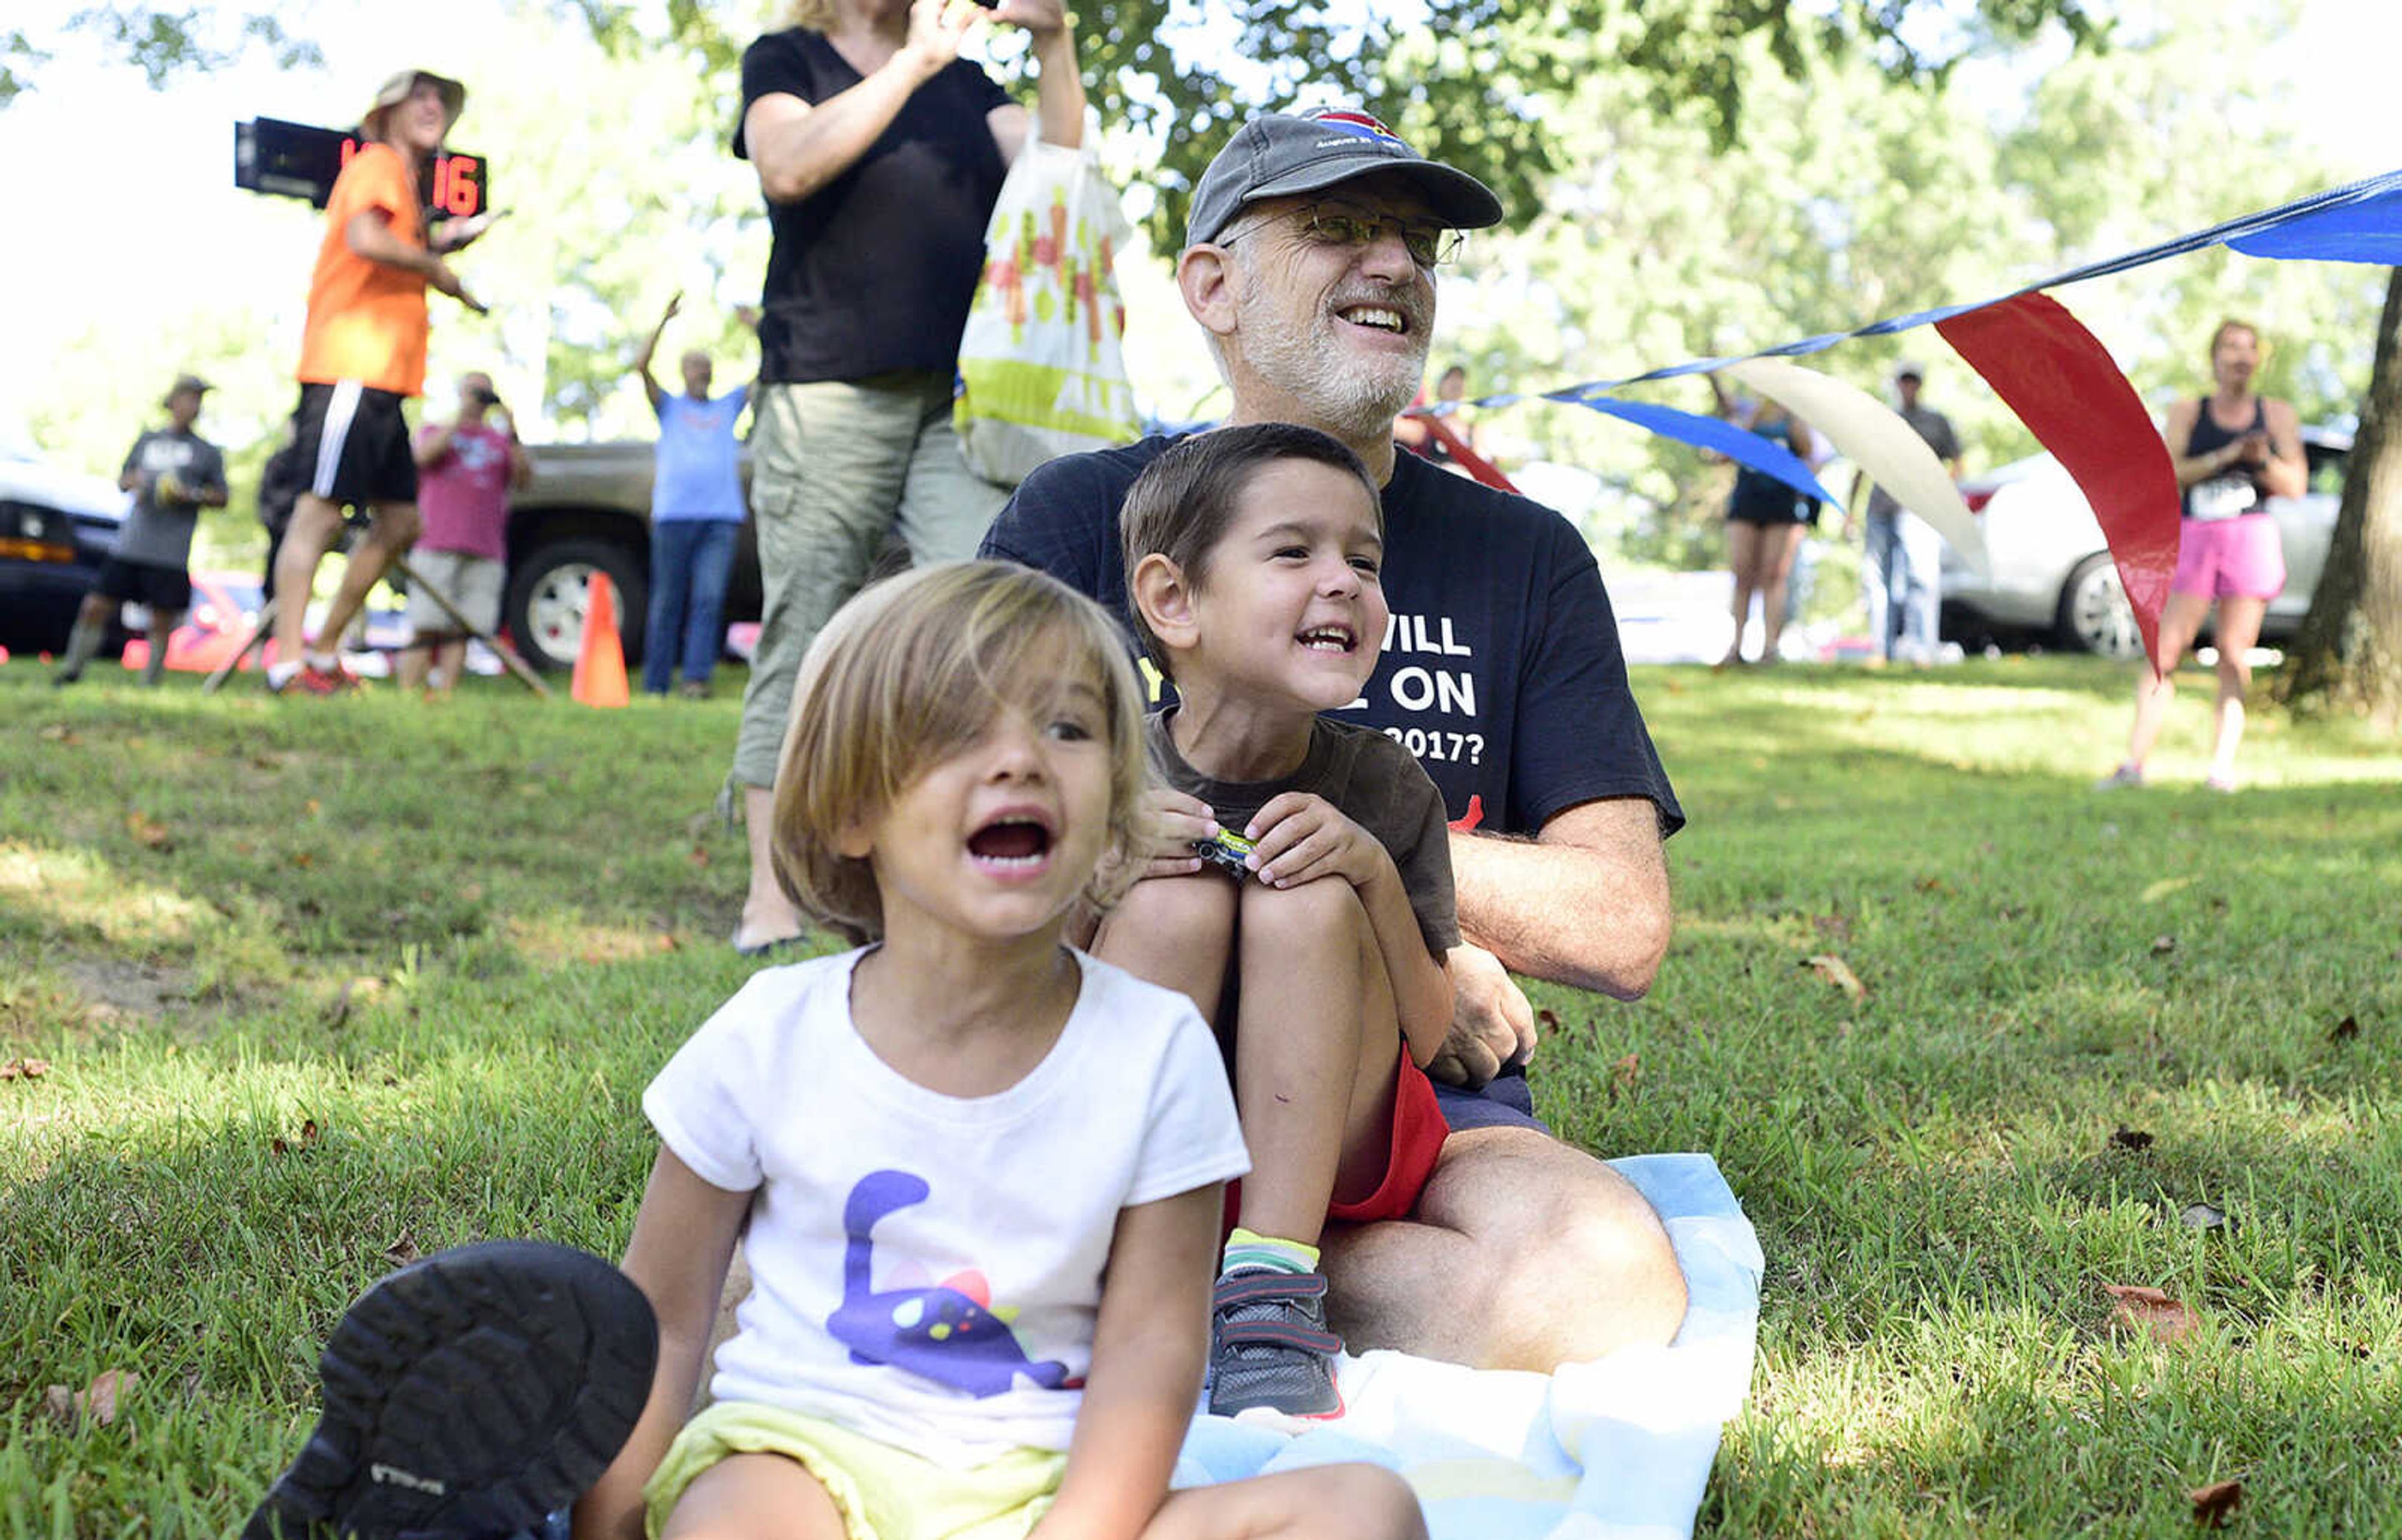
x,y
1354,227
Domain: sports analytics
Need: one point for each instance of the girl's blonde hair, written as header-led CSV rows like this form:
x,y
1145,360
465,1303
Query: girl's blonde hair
x,y
816,15
912,670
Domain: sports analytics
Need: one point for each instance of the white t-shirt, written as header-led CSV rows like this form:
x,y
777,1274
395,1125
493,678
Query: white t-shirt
x,y
927,1269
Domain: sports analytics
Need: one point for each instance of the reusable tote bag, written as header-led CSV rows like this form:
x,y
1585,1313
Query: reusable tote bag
x,y
1042,370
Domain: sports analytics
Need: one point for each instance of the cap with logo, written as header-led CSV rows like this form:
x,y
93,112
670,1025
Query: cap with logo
x,y
186,385
1279,154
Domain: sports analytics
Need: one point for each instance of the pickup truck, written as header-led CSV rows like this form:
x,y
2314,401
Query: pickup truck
x,y
587,510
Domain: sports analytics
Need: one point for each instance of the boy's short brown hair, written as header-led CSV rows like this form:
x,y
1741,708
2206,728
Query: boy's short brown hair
x,y
911,671
1184,502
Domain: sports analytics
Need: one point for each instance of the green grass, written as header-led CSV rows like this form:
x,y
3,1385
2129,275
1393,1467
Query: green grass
x,y
457,941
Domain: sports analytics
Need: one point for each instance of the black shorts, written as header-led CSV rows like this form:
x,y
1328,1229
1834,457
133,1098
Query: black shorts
x,y
1759,500
1505,1101
149,583
353,444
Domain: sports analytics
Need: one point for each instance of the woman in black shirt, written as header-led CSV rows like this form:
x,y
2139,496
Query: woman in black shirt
x,y
882,153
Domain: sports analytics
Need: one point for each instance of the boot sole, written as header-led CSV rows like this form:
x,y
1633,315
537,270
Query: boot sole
x,y
469,1395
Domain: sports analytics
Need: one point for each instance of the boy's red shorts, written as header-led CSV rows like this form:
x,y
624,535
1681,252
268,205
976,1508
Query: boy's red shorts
x,y
1418,1132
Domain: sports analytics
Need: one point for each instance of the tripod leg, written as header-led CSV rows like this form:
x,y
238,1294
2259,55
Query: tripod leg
x,y
256,640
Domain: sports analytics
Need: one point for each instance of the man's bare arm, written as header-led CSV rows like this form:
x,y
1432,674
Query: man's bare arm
x,y
1585,902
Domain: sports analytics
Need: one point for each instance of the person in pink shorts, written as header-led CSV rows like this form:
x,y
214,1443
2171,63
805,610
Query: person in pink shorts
x,y
2233,451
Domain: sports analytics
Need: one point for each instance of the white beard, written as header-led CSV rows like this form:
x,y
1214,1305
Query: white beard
x,y
1348,398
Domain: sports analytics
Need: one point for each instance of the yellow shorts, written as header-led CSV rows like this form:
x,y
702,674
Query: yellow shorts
x,y
883,1492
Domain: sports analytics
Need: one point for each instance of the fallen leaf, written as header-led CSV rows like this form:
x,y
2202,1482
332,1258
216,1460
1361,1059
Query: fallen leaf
x,y
2151,1309
1624,1073
2163,945
99,1401
402,1251
1837,972
1933,884
1676,686
2128,1138
308,1132
277,1146
57,733
2345,1030
2214,1504
310,808
667,943
1547,1021
28,1069
2205,1216
96,1401
149,831
2165,886
302,857
700,855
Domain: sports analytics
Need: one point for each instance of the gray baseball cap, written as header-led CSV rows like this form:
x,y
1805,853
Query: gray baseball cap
x,y
1276,154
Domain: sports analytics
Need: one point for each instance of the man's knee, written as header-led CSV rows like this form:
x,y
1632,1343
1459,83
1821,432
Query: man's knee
x,y
1577,1264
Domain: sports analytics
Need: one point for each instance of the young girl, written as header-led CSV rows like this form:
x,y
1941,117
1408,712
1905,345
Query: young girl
x,y
947,1142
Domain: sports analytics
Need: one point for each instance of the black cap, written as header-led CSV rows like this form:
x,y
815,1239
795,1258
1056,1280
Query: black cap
x,y
1276,154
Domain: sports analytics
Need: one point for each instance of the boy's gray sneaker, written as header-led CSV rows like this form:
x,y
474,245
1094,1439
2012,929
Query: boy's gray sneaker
x,y
469,1395
1269,1348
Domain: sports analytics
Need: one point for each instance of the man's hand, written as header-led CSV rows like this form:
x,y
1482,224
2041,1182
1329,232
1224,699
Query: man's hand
x,y
441,277
1491,1023
454,235
1170,821
1300,837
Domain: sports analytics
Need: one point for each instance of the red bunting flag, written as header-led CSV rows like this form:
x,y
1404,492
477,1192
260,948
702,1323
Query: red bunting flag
x,y
2061,382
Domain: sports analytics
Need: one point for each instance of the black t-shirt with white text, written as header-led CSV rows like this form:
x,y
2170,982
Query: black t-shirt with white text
x,y
875,272
1501,671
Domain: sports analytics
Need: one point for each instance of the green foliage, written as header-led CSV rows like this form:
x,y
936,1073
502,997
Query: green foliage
x,y
1851,198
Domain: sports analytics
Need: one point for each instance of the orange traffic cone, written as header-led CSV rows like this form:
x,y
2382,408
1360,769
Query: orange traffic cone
x,y
601,662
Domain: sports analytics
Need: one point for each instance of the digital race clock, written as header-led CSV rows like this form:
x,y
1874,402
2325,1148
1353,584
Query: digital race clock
x,y
300,160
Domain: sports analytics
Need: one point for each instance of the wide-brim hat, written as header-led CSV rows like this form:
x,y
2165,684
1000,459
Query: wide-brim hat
x,y
1277,154
191,384
397,91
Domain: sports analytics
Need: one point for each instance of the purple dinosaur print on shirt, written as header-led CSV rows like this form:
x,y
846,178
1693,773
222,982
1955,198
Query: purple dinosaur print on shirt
x,y
944,1332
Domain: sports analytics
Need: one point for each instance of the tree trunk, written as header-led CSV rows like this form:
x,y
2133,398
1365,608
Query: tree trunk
x,y
2348,655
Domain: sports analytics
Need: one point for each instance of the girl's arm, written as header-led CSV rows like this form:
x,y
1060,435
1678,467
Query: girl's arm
x,y
683,1240
1148,1349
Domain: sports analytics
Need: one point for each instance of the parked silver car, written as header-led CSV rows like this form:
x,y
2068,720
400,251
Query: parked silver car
x,y
2051,569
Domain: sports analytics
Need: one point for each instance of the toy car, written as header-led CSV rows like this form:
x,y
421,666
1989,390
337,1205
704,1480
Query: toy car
x,y
1226,853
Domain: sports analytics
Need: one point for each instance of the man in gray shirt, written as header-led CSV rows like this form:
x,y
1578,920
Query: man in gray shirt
x,y
1903,559
172,473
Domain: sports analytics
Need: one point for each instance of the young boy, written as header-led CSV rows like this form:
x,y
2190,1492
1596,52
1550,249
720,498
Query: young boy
x,y
172,473
1252,559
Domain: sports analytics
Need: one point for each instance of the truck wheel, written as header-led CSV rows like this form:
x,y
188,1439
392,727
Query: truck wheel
x,y
2094,614
549,592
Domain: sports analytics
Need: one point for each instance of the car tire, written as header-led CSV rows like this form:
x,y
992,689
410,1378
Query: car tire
x,y
2094,614
549,592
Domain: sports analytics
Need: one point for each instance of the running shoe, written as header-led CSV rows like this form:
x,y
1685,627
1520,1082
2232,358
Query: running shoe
x,y
1270,1354
2124,778
313,680
469,1395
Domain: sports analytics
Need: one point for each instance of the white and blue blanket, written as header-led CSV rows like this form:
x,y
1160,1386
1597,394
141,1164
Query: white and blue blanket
x,y
1615,1450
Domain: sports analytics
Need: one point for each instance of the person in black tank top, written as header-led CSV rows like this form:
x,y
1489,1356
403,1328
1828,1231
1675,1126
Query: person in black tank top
x,y
2233,451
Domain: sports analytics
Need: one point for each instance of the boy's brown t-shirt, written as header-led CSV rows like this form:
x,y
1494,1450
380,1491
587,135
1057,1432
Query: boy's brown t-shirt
x,y
368,321
1375,782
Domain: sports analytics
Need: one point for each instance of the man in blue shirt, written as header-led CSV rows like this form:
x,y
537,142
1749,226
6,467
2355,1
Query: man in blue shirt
x,y
697,511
